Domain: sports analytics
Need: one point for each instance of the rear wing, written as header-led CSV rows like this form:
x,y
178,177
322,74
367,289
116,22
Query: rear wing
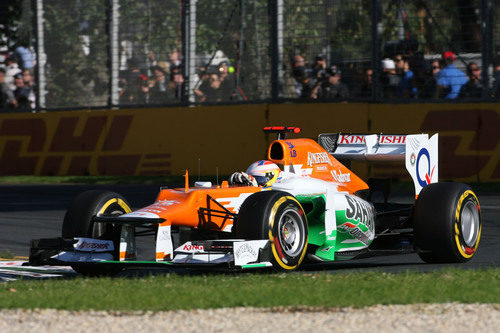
x,y
418,151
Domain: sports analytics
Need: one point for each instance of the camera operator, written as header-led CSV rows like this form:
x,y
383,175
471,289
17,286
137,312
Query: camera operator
x,y
318,68
331,88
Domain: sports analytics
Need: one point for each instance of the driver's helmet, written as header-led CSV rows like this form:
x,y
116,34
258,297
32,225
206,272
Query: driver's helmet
x,y
264,172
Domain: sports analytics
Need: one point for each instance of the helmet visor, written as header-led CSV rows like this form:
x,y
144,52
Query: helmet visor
x,y
261,180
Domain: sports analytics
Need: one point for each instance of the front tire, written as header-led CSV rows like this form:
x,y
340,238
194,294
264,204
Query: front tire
x,y
447,223
79,222
278,217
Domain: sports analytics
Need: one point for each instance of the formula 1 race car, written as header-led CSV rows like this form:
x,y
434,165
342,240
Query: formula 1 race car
x,y
315,210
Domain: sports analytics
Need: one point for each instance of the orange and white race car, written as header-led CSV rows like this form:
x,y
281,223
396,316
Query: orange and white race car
x,y
302,204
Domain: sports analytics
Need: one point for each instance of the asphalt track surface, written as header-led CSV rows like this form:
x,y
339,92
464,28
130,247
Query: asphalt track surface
x,y
37,211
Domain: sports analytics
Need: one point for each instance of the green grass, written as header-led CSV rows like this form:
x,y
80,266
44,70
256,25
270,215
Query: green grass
x,y
172,291
6,254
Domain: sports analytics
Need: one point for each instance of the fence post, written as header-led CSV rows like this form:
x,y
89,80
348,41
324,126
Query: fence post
x,y
41,57
376,55
276,47
114,52
189,50
486,45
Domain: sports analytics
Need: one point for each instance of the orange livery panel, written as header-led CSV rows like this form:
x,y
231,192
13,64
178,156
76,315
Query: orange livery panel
x,y
212,208
307,158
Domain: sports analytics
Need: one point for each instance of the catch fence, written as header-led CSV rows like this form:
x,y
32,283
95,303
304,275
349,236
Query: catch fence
x,y
119,53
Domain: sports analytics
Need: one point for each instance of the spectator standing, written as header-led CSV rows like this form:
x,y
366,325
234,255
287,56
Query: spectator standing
x,y
496,77
406,75
390,80
303,77
227,82
21,94
30,83
473,88
176,83
209,89
25,58
131,84
174,59
332,88
319,68
297,62
425,80
450,79
158,92
11,69
435,67
366,85
7,100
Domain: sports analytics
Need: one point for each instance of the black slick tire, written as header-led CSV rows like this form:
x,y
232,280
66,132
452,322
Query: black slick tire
x,y
447,223
78,222
278,217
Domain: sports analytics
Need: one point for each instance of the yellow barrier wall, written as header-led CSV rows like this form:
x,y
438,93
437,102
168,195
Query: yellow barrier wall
x,y
163,141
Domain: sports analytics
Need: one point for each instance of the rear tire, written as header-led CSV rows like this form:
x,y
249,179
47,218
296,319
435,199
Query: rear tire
x,y
278,217
447,223
78,222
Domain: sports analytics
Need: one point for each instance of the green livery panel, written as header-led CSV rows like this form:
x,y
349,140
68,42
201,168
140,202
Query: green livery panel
x,y
354,219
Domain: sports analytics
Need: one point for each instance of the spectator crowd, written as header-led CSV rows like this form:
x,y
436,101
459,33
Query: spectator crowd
x,y
17,93
402,77
405,77
161,82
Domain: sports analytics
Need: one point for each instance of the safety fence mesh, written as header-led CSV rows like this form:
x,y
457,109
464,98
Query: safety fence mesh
x,y
117,53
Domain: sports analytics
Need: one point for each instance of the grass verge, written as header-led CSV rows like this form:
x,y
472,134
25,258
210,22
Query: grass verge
x,y
173,292
6,254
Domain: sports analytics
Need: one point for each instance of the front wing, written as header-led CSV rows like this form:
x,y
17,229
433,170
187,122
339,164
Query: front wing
x,y
231,253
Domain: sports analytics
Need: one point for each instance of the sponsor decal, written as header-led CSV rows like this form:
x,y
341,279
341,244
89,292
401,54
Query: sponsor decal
x,y
412,159
75,146
140,214
356,232
248,251
188,247
93,245
424,153
293,152
245,251
89,246
320,168
341,177
351,139
359,211
192,248
392,139
318,158
159,206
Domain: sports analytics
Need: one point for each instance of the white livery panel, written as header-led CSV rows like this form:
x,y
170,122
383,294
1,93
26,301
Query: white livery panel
x,y
418,151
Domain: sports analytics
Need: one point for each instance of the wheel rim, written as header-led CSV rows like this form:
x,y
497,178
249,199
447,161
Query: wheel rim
x,y
469,218
291,232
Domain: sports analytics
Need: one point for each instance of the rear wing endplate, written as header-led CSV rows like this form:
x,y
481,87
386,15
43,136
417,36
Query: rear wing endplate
x,y
418,151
